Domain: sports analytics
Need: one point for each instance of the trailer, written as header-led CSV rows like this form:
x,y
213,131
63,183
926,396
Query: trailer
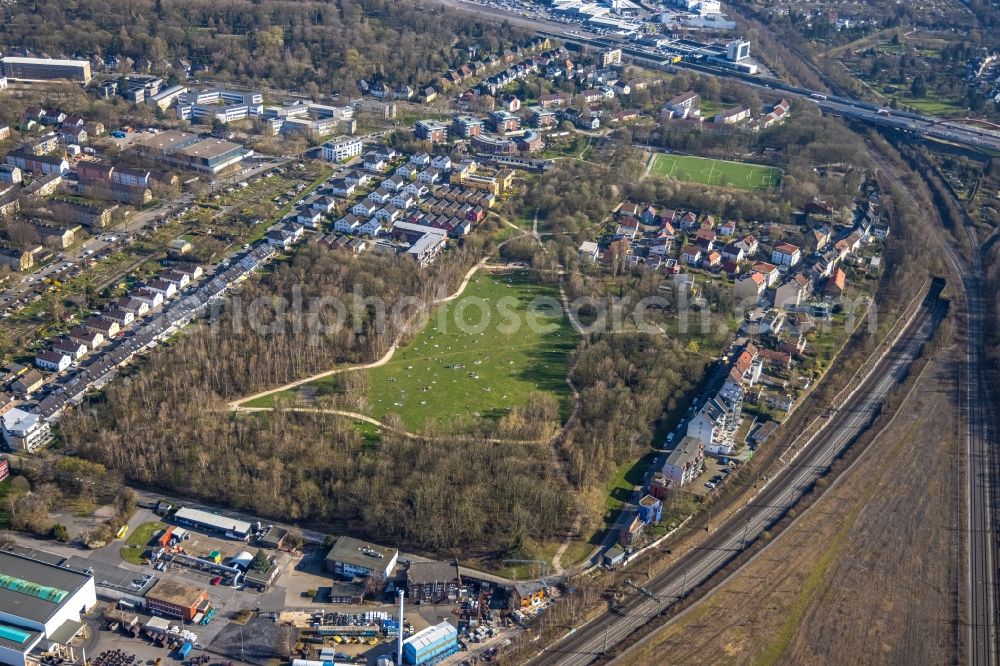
x,y
115,619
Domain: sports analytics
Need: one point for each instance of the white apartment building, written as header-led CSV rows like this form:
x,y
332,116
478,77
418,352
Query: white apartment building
x,y
24,431
685,462
341,148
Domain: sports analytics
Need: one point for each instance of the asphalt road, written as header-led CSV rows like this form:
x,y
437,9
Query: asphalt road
x,y
921,125
587,643
134,224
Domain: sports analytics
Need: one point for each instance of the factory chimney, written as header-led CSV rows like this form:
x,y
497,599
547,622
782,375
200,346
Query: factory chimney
x,y
399,634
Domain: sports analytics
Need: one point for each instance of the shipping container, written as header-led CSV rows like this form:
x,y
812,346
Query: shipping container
x,y
431,644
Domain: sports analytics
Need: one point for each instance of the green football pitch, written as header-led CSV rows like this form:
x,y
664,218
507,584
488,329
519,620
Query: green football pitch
x,y
716,172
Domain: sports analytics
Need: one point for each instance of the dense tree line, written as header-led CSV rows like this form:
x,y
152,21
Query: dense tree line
x,y
278,329
315,45
434,495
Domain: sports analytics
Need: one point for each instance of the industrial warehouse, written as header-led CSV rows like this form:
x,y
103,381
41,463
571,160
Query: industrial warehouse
x,y
213,522
201,567
431,644
40,608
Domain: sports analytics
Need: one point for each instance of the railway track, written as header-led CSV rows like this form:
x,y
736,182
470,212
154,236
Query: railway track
x,y
981,526
591,642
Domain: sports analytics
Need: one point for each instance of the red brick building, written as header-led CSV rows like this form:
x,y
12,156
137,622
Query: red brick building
x,y
173,599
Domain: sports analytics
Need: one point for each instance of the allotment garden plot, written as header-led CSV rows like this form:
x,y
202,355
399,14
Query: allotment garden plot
x,y
706,171
478,356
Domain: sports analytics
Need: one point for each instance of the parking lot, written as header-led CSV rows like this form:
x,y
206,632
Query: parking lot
x,y
302,575
714,473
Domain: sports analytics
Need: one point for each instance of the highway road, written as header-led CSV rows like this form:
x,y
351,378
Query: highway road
x,y
920,125
585,644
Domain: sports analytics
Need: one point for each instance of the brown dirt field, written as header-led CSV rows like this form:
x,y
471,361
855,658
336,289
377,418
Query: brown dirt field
x,y
871,574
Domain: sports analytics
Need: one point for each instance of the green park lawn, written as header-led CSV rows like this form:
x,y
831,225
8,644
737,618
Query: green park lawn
x,y
138,541
628,476
708,171
935,106
464,366
710,108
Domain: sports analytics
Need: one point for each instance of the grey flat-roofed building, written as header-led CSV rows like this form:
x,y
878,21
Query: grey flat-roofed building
x,y
45,69
36,554
114,582
212,155
352,557
16,639
210,149
49,587
273,538
213,522
261,579
168,142
347,592
41,604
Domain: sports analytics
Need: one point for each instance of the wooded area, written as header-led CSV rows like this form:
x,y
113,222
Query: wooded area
x,y
315,46
627,381
168,424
